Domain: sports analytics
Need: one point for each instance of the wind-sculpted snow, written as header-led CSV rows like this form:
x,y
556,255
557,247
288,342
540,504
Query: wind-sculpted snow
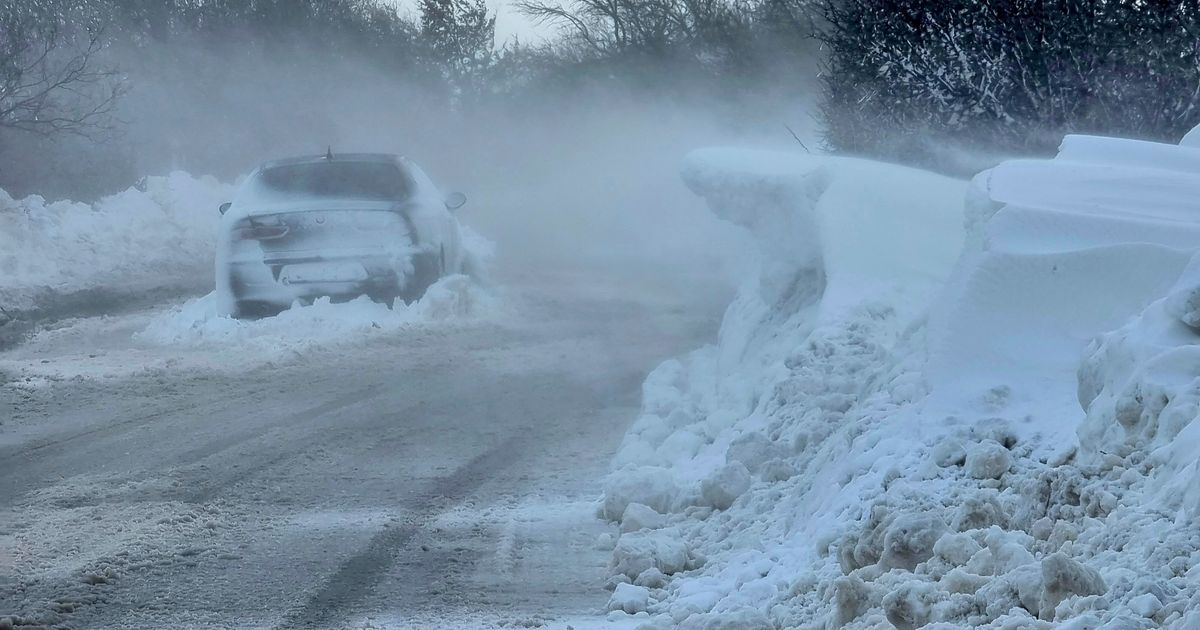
x,y
889,431
1061,251
159,234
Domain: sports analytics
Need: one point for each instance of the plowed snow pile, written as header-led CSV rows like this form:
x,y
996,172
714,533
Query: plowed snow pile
x,y
910,424
159,234
197,322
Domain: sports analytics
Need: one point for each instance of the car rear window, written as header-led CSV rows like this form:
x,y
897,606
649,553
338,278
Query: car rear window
x,y
369,180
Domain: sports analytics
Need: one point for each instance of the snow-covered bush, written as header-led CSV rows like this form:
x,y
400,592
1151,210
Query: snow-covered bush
x,y
920,80
889,432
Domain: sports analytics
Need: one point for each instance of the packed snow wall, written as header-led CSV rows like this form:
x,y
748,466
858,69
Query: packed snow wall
x,y
160,234
1061,250
826,254
889,431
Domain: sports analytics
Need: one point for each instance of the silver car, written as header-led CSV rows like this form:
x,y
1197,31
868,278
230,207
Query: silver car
x,y
340,226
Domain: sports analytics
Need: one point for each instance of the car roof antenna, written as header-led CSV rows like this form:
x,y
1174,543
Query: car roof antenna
x,y
329,153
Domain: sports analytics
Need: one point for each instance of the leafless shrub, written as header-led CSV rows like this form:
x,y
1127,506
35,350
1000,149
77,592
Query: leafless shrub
x,y
52,81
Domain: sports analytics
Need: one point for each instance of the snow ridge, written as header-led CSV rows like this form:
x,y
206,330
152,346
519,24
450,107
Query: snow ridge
x,y
160,233
889,432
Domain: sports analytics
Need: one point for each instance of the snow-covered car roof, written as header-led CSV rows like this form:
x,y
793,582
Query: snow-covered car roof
x,y
335,157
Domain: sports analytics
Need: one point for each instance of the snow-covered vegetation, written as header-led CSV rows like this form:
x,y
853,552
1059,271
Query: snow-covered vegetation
x,y
891,433
217,86
922,80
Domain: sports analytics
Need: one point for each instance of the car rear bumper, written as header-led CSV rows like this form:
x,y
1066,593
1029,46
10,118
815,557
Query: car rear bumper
x,y
279,281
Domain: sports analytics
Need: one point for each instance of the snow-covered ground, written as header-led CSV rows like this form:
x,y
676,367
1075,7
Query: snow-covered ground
x,y
167,468
936,404
341,464
198,323
193,336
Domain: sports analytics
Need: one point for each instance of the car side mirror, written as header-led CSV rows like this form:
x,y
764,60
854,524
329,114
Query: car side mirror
x,y
225,207
455,200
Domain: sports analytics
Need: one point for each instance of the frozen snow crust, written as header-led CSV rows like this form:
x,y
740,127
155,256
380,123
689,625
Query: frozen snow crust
x,y
917,417
160,234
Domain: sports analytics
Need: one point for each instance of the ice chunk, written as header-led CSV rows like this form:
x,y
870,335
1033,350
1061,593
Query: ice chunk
x,y
777,469
638,516
629,599
1009,550
910,540
1063,577
910,606
956,549
753,450
725,485
949,452
637,552
693,603
851,600
978,511
651,578
988,460
743,618
651,486
1146,605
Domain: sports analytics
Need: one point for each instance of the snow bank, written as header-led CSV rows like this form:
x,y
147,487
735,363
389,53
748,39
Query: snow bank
x,y
159,234
828,257
1140,385
1061,251
889,432
197,323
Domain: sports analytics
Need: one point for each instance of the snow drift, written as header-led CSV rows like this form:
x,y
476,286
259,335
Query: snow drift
x,y
825,260
199,322
889,431
1062,251
1140,385
160,234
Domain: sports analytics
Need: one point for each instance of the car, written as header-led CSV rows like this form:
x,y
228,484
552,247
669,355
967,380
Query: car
x,y
338,226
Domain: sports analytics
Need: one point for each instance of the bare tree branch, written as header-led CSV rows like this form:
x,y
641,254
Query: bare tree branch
x,y
51,80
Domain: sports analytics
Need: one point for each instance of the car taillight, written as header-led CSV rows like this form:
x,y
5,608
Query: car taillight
x,y
259,230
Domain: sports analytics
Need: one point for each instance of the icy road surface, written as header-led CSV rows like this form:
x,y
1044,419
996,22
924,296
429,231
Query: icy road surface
x,y
436,475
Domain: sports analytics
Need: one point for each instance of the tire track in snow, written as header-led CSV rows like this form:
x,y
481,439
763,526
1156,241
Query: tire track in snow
x,y
312,413
138,421
506,548
26,477
8,493
209,491
67,591
357,576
